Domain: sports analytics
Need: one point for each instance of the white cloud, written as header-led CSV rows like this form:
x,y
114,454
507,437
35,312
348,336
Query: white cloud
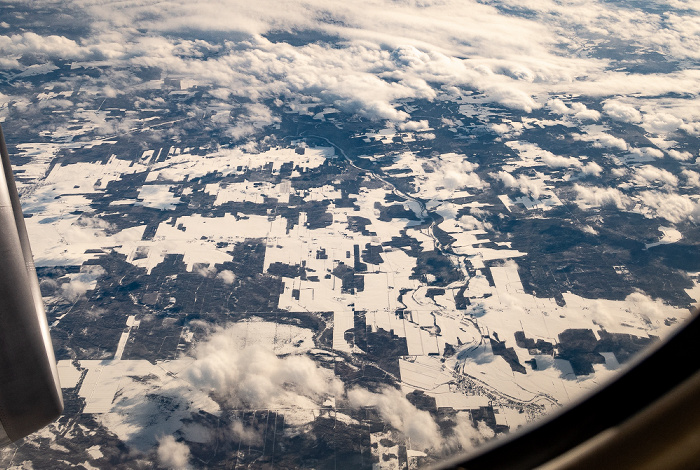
x,y
592,168
75,289
692,128
661,122
594,196
669,114
526,185
650,310
511,97
256,377
558,106
82,282
245,434
531,186
507,179
347,77
465,436
577,110
680,154
557,161
582,113
456,172
529,152
416,425
619,172
204,270
500,129
51,46
255,117
172,454
588,229
647,152
469,222
622,112
414,125
602,139
95,223
648,174
386,52
227,276
692,177
672,207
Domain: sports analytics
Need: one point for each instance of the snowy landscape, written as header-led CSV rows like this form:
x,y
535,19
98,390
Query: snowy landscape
x,y
346,236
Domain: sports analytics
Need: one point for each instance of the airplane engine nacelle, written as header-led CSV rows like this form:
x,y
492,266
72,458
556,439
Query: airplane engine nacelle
x,y
30,393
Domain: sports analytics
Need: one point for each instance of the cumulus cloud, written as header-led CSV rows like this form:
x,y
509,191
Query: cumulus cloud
x,y
419,426
672,207
649,174
385,53
460,174
511,97
507,179
602,140
595,196
592,168
414,125
449,171
557,161
416,425
692,178
95,223
532,152
637,307
526,185
75,289
204,270
620,111
80,283
577,110
365,75
557,106
662,123
649,310
226,276
619,172
256,377
254,118
172,454
680,154
531,186
501,129
647,153
465,436
48,286
29,43
245,434
469,222
692,128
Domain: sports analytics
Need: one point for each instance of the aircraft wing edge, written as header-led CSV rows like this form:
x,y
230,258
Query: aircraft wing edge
x,y
30,392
